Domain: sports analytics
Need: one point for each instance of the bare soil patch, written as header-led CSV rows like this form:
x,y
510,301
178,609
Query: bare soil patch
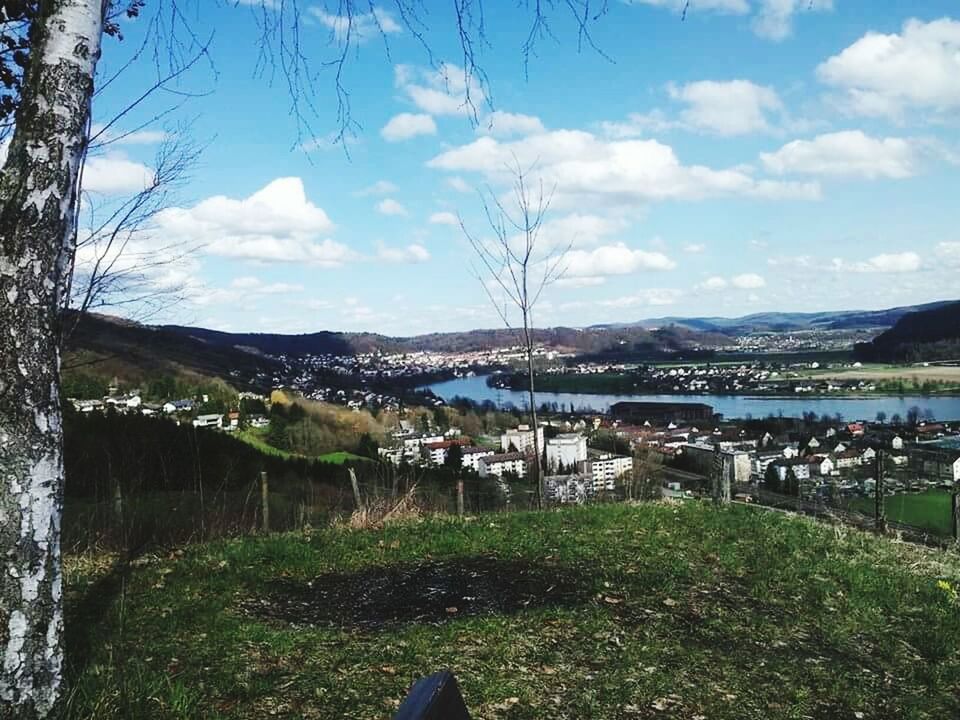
x,y
432,591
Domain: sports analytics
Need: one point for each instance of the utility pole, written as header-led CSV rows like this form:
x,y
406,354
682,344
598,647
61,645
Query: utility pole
x,y
955,511
721,484
880,518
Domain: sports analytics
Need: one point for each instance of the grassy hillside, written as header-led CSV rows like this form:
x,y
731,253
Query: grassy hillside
x,y
653,611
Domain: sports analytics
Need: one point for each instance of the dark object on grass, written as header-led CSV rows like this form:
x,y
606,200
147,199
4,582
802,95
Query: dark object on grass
x,y
436,697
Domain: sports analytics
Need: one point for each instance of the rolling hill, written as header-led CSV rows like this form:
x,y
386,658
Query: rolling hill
x,y
787,322
928,335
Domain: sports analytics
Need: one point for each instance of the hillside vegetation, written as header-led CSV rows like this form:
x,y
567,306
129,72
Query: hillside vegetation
x,y
929,335
653,611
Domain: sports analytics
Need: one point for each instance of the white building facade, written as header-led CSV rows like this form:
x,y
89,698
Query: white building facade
x,y
566,450
521,438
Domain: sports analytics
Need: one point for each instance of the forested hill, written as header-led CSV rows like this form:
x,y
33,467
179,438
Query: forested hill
x,y
589,340
109,346
928,335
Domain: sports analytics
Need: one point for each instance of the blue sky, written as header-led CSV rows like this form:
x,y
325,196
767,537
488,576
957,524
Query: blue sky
x,y
756,155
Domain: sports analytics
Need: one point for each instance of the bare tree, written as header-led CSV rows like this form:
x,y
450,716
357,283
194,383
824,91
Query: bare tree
x,y
519,266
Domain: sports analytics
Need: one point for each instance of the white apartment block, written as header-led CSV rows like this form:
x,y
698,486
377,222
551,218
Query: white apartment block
x,y
498,465
567,449
473,455
606,469
521,438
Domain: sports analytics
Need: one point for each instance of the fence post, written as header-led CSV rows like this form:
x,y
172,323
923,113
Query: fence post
x,y
717,474
955,511
265,500
460,497
356,489
880,519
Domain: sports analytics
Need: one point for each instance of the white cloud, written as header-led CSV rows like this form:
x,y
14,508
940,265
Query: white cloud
x,y
254,285
117,136
380,187
580,282
884,75
115,174
459,184
275,224
389,206
774,19
589,170
695,248
949,252
413,253
652,297
407,125
847,153
905,262
357,28
444,218
748,281
610,260
505,124
448,90
735,107
713,283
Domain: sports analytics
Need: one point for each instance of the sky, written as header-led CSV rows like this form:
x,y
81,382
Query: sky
x,y
746,156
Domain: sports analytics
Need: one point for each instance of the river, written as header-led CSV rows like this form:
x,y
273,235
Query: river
x,y
731,406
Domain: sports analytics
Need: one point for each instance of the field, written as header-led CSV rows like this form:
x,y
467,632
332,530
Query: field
x,y
929,510
934,373
653,611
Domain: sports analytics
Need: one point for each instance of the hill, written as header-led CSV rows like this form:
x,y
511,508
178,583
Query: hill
x,y
928,335
584,340
786,322
110,346
603,612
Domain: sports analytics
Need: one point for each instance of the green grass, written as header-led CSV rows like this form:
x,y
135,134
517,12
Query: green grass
x,y
929,510
686,611
257,438
341,457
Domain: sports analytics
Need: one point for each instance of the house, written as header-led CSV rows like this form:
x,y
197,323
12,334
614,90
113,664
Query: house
x,y
500,465
207,421
174,406
472,456
944,468
86,406
150,408
801,469
899,460
566,450
735,464
258,421
812,446
868,455
855,429
394,454
896,443
605,470
820,465
846,459
233,419
520,439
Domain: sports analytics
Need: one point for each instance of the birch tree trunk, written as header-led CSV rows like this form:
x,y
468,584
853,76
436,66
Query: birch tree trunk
x,y
38,194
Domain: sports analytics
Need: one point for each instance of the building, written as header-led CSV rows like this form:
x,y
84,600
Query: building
x,y
942,468
173,406
86,406
801,470
437,451
521,439
208,421
566,450
568,488
503,464
737,466
661,413
820,465
473,455
605,470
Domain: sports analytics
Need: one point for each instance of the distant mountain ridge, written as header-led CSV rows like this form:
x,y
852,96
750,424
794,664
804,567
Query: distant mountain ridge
x,y
788,321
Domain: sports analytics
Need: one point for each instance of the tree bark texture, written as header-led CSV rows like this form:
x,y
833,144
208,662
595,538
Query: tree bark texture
x,y
38,195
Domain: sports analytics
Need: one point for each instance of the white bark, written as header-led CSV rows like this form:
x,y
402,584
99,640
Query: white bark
x,y
37,200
